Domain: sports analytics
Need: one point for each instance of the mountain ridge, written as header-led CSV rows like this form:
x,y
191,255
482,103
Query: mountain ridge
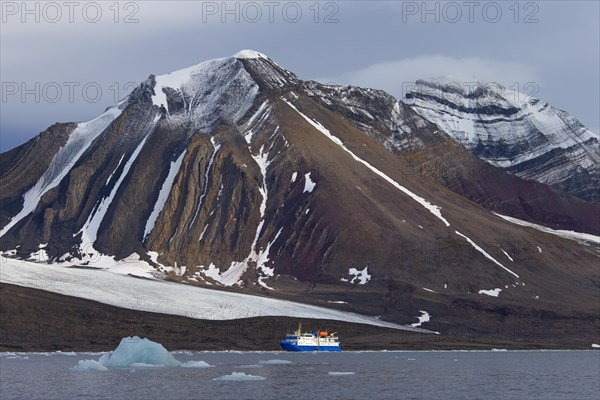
x,y
246,178
522,134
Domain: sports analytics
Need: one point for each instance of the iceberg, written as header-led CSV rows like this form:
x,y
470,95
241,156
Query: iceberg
x,y
133,350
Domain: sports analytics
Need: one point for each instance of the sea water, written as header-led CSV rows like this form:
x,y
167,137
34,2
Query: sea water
x,y
278,375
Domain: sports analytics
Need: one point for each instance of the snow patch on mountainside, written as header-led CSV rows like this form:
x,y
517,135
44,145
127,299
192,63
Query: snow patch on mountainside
x,y
578,236
433,209
79,140
163,195
216,148
424,317
482,251
491,292
361,277
90,228
309,185
157,295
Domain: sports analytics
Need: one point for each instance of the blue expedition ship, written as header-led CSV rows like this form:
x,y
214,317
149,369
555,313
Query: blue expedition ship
x,y
315,341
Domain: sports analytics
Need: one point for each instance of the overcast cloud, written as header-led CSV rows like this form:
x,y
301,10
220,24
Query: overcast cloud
x,y
385,45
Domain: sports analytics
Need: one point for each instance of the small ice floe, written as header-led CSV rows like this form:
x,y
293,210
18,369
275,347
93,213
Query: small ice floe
x,y
16,357
595,346
539,249
248,366
239,376
338,302
196,364
429,290
89,365
411,359
275,361
491,292
340,373
499,349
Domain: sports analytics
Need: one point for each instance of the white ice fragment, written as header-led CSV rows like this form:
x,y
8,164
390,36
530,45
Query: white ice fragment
x,y
239,376
275,361
196,364
340,373
248,366
89,365
294,176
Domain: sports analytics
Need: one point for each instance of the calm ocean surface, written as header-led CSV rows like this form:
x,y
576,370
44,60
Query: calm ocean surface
x,y
349,375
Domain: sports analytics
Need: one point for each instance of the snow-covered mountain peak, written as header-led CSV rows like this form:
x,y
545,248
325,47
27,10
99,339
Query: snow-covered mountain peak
x,y
515,131
250,54
206,93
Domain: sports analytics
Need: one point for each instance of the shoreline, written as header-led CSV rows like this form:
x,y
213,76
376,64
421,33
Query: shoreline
x,y
32,320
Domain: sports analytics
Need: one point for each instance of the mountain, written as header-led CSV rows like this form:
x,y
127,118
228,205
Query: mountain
x,y
235,174
521,134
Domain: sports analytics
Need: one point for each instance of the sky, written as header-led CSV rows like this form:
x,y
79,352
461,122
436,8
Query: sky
x,y
67,61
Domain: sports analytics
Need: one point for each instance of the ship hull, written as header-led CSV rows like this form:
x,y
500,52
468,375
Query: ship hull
x,y
290,346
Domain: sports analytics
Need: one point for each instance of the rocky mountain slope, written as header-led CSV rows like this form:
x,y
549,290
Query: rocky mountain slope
x,y
521,134
236,174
